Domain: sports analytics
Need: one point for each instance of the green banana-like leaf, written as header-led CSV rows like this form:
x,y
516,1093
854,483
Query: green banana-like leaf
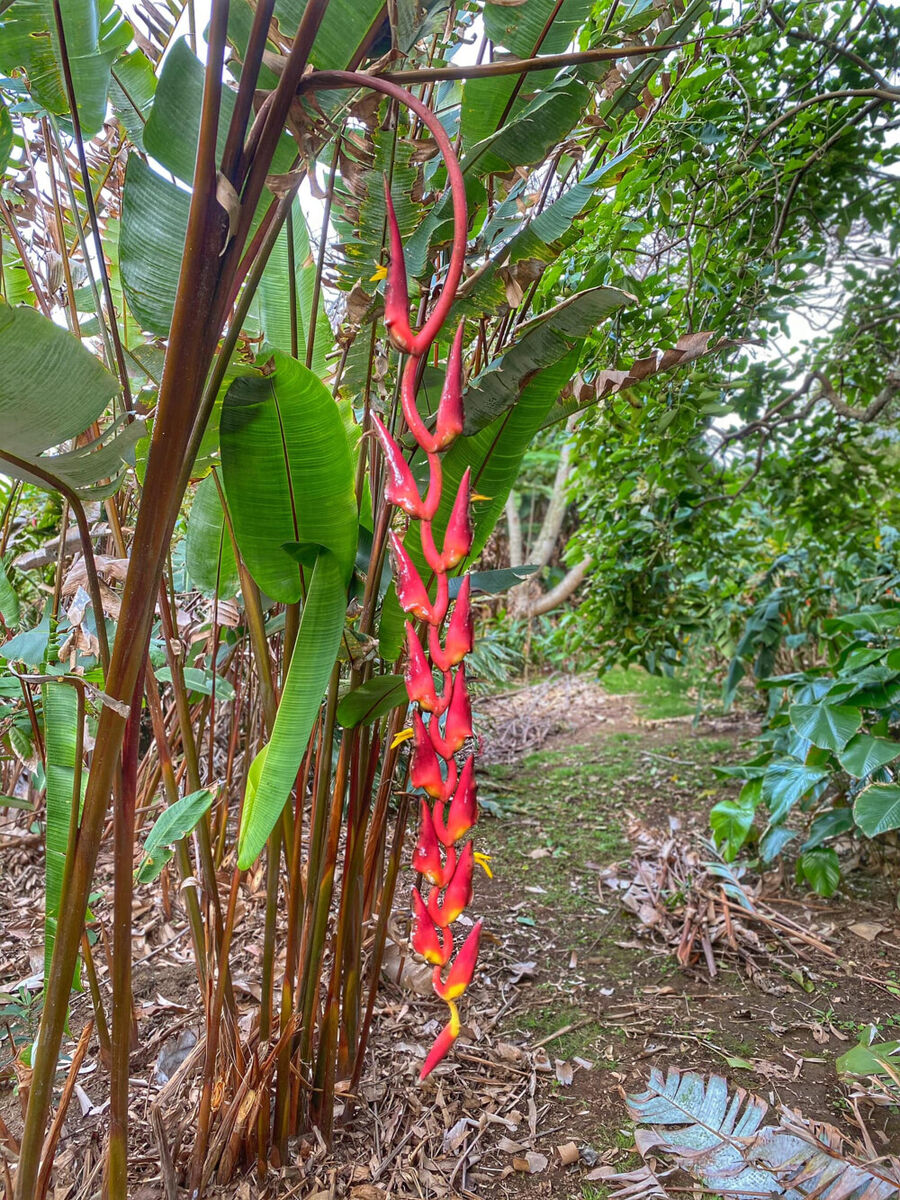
x,y
9,599
518,28
372,700
51,389
527,136
96,33
131,93
60,705
543,340
314,656
151,244
288,474
209,556
271,307
175,823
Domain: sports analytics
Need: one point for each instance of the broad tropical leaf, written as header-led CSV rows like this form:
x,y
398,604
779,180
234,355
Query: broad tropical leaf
x,y
540,342
372,700
829,726
209,556
864,754
288,474
315,652
786,782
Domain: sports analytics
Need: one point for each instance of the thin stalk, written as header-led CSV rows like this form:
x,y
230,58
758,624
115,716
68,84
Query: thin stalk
x,y
92,211
90,967
122,1010
182,858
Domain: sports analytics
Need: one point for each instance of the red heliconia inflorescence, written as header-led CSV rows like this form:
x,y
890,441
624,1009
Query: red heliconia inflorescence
x,y
442,857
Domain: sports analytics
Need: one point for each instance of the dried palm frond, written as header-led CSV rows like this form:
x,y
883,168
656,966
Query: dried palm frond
x,y
717,1134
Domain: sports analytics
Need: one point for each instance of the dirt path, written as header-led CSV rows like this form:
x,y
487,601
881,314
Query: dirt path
x,y
577,998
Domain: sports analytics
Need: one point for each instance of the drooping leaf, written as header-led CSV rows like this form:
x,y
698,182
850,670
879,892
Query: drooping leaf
x,y
209,556
51,386
315,652
877,808
372,700
131,93
9,600
829,726
178,820
540,342
288,474
731,821
202,680
95,34
821,869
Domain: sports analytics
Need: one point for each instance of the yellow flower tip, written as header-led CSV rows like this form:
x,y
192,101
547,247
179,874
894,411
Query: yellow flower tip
x,y
455,1025
380,273
484,861
478,496
403,736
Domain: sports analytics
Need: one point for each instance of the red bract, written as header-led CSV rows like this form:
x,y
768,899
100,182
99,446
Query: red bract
x,y
425,940
427,854
450,418
442,1043
463,968
458,537
458,721
458,642
457,894
424,768
410,589
396,291
417,675
463,808
400,488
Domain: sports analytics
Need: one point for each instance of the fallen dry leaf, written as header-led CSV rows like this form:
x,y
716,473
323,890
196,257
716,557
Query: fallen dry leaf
x,y
867,930
565,1072
568,1153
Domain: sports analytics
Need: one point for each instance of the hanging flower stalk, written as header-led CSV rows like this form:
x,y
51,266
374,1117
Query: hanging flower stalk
x,y
442,718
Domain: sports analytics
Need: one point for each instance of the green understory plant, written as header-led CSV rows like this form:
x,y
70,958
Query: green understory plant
x,y
826,760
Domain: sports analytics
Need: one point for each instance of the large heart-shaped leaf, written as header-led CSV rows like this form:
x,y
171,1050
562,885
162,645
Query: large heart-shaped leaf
x,y
786,782
864,754
288,474
315,652
877,808
829,726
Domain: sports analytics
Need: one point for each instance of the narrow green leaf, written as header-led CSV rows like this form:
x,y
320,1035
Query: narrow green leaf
x,y
60,704
372,700
9,599
178,820
315,652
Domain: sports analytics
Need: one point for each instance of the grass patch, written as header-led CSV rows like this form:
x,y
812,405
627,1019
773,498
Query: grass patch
x,y
659,696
